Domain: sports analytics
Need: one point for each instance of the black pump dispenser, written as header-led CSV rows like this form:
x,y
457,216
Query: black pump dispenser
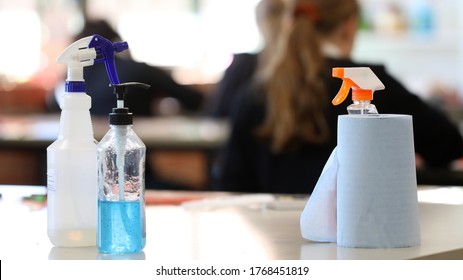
x,y
121,115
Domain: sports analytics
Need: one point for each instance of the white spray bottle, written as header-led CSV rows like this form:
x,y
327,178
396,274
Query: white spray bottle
x,y
71,159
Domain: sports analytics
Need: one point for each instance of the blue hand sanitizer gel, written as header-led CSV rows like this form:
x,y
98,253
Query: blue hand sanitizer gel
x,y
121,183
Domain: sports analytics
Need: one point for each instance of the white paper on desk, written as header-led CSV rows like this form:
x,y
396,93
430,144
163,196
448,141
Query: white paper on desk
x,y
375,182
318,219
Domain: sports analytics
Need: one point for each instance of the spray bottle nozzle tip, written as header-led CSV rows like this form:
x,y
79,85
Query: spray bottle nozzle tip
x,y
120,46
338,72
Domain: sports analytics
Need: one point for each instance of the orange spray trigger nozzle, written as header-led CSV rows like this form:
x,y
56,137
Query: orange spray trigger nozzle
x,y
362,81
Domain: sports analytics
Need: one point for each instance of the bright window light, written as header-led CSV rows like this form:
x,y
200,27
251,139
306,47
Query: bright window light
x,y
197,44
20,31
187,39
162,38
231,25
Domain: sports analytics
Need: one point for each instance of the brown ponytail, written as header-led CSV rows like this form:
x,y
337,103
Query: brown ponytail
x,y
292,82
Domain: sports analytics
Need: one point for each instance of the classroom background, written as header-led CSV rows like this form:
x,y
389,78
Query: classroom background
x,y
419,41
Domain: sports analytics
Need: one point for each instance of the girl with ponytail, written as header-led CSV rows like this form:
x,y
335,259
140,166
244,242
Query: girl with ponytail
x,y
283,124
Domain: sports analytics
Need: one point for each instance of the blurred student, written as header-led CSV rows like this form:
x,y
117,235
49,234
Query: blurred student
x,y
140,102
268,18
284,126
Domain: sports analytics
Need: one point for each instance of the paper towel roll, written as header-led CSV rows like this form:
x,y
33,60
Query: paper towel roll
x,y
377,192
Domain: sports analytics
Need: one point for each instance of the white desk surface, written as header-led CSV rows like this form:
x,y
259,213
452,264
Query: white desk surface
x,y
230,233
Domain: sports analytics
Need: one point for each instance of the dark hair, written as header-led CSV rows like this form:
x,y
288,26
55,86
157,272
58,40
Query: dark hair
x,y
98,26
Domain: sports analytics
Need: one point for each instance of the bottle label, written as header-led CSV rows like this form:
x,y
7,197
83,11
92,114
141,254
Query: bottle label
x,y
51,180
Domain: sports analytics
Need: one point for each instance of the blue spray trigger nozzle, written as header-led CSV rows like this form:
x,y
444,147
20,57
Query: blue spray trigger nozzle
x,y
105,51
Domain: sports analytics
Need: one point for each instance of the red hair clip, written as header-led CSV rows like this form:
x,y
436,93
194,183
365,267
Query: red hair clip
x,y
307,10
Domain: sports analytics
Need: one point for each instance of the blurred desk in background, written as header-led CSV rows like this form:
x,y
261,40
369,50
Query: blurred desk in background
x,y
180,150
441,176
176,146
157,132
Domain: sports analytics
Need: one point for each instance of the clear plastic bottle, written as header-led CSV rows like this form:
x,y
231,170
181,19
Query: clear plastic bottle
x,y
362,107
121,184
121,207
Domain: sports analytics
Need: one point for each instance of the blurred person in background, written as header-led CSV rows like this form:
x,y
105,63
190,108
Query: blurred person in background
x,y
268,18
283,124
184,100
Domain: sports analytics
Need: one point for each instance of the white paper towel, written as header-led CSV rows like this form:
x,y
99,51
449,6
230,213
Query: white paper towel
x,y
375,184
318,219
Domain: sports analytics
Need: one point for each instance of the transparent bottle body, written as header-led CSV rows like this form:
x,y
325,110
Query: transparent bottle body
x,y
362,107
121,185
71,177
